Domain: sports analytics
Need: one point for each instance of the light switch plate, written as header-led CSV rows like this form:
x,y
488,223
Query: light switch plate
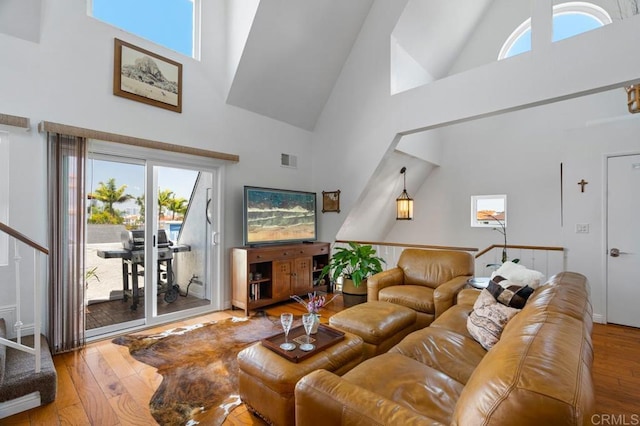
x,y
582,228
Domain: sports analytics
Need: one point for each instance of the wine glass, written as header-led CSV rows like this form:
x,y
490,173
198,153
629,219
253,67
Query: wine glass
x,y
287,319
307,321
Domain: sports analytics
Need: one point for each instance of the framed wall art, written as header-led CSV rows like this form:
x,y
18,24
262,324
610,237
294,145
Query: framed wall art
x,y
146,77
331,201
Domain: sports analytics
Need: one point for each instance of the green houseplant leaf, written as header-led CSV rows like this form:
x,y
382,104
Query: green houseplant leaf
x,y
356,262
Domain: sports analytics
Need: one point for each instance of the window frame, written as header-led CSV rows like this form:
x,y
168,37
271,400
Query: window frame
x,y
196,42
569,8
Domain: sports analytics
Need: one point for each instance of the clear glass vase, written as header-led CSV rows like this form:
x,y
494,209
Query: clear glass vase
x,y
316,323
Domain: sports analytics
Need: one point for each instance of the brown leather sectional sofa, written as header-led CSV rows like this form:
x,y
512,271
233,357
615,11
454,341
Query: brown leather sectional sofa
x,y
539,373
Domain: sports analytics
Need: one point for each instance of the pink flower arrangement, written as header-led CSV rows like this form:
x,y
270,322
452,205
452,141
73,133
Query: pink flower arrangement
x,y
315,302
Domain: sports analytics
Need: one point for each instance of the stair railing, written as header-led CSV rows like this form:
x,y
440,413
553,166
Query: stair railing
x,y
547,259
38,252
391,252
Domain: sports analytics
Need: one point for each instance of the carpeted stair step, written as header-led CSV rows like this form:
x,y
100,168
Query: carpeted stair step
x,y
20,378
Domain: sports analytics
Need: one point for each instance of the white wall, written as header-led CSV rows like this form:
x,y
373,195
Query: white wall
x,y
516,155
355,129
361,121
67,78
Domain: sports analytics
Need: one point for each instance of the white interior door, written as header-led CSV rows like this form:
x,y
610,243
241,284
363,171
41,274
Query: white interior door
x,y
623,240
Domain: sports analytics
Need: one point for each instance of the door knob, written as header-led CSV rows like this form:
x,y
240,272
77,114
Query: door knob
x,y
614,252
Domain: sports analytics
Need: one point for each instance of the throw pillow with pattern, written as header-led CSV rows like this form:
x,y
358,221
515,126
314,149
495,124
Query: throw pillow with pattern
x,y
509,294
488,318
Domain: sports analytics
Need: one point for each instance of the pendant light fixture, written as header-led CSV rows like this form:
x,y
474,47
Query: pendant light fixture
x,y
404,203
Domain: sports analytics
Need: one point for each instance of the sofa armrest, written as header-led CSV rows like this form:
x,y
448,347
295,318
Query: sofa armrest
x,y
468,297
444,295
376,282
323,398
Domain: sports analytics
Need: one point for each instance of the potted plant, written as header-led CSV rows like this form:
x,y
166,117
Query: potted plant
x,y
354,264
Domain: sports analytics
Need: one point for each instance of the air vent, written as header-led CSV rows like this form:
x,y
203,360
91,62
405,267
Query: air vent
x,y
288,160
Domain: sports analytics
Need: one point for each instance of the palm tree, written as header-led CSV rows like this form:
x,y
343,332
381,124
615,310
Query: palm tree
x,y
110,195
164,200
177,205
140,203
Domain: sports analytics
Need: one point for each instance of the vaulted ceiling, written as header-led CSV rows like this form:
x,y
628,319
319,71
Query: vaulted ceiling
x,y
295,50
21,19
293,56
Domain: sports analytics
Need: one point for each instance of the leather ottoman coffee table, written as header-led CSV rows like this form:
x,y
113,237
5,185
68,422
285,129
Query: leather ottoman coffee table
x,y
267,380
380,324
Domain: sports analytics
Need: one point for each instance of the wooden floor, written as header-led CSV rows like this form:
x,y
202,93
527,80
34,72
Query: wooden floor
x,y
118,311
103,385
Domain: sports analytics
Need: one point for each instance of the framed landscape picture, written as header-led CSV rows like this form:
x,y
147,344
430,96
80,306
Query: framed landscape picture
x,y
331,201
146,77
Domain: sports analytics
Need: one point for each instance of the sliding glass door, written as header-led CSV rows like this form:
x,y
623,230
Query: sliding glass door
x,y
184,243
115,207
151,250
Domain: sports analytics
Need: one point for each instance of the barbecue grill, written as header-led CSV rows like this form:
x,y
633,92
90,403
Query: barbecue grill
x,y
132,255
133,241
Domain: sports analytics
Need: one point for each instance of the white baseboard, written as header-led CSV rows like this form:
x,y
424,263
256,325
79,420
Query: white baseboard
x,y
18,405
599,318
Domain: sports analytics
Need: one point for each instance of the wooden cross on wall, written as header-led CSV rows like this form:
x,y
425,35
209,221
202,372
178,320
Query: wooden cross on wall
x,y
582,183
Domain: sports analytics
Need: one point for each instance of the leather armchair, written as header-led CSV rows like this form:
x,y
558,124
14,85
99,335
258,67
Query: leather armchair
x,y
426,281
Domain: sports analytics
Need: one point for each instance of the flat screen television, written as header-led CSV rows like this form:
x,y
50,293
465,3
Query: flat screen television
x,y
278,216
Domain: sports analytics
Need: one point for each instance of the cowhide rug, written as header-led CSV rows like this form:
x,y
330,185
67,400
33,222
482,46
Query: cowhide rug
x,y
198,365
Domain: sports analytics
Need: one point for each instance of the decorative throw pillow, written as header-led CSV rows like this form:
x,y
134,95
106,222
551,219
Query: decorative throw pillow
x,y
488,318
519,274
508,294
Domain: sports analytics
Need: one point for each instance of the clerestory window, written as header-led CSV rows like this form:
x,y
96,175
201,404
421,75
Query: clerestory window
x,y
569,19
169,23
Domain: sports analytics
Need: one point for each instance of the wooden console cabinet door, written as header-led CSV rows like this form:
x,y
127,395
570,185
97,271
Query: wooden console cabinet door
x,y
262,276
301,280
282,271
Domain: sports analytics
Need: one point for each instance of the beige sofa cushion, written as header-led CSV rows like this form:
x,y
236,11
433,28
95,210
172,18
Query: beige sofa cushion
x,y
409,383
416,297
434,267
444,350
